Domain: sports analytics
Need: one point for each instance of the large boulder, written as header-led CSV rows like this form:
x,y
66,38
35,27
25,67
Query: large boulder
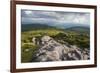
x,y
51,50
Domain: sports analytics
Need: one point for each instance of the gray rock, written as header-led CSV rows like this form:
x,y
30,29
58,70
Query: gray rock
x,y
51,50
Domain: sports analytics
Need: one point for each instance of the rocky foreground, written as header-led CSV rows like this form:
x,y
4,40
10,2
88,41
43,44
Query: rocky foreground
x,y
51,50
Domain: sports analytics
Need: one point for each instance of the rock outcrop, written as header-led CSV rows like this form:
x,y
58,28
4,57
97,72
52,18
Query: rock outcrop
x,y
51,50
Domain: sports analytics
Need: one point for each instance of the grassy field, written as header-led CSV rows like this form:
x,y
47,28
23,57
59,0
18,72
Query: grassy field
x,y
62,36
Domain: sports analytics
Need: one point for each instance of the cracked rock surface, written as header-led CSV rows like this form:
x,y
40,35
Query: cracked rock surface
x,y
51,50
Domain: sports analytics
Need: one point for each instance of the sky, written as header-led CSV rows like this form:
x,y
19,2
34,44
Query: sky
x,y
55,18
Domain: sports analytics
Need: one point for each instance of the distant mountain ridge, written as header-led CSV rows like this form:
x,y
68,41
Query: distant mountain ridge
x,y
79,29
28,27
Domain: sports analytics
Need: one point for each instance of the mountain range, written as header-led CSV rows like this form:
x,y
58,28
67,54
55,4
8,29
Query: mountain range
x,y
71,27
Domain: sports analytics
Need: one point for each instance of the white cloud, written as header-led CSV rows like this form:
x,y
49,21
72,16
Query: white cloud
x,y
56,17
28,12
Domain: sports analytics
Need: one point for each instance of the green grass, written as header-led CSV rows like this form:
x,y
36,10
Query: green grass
x,y
27,51
62,36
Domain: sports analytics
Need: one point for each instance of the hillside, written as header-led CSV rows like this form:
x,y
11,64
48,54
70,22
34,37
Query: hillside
x,y
31,42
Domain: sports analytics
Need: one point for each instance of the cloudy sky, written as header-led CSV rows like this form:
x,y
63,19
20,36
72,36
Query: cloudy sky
x,y
55,17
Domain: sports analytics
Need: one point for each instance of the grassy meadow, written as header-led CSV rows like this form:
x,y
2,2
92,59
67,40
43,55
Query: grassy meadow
x,y
63,36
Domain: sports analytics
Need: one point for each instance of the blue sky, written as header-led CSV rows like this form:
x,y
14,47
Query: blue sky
x,y
56,18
